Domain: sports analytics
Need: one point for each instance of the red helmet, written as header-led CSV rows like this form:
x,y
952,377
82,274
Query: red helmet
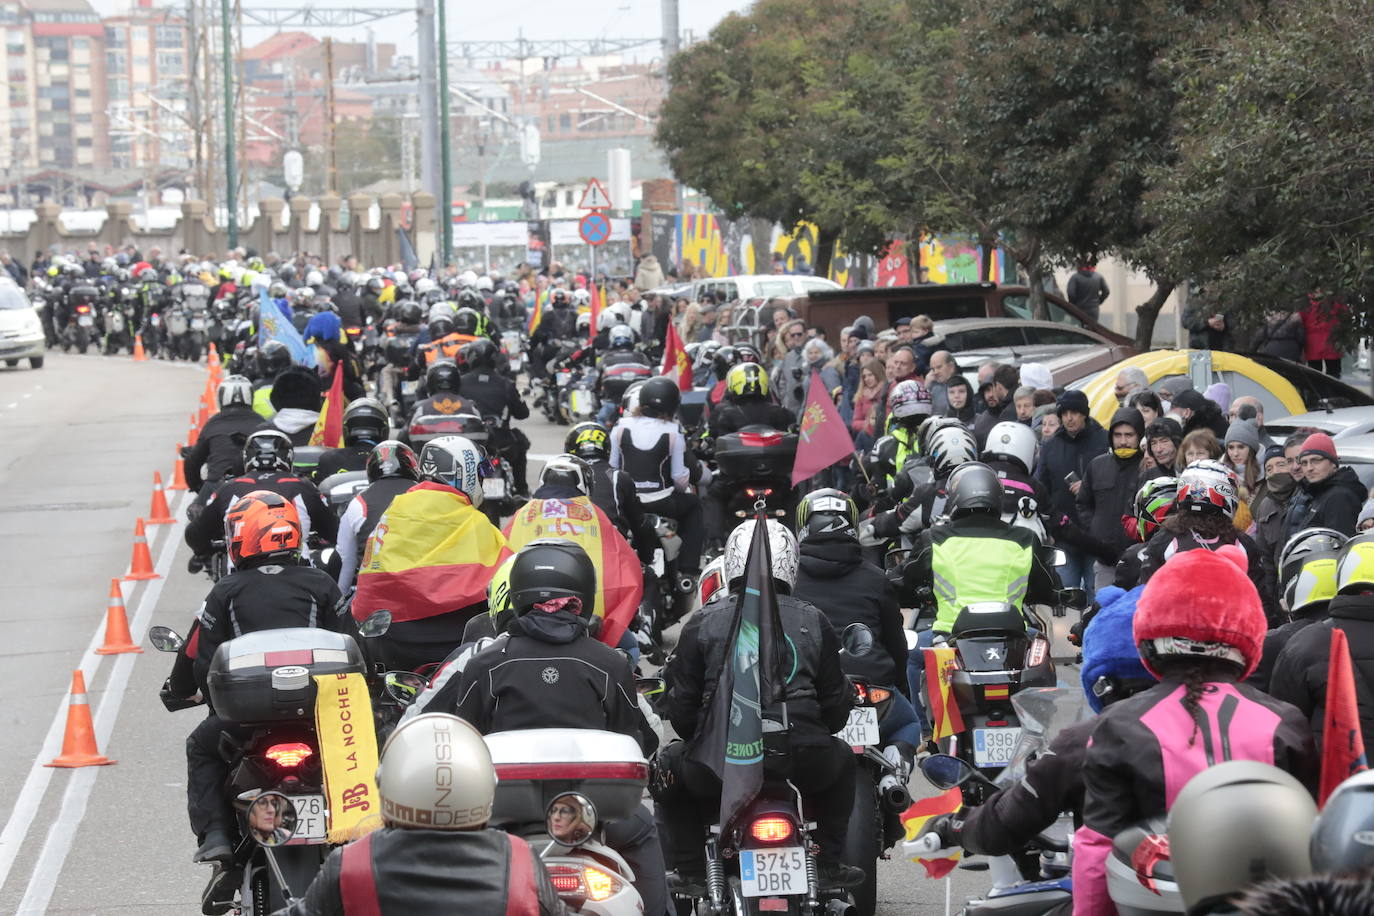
x,y
1201,604
262,525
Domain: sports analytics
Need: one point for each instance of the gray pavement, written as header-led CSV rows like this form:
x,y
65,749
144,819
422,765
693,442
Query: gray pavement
x,y
83,437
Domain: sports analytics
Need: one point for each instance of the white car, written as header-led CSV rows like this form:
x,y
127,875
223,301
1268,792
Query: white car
x,y
21,334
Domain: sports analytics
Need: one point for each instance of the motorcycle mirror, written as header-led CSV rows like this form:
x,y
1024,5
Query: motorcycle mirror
x,y
650,686
1058,557
571,819
376,624
165,639
856,640
944,771
911,639
272,819
1073,597
404,686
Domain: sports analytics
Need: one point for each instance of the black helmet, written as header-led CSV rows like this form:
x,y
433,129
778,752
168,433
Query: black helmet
x,y
568,471
409,312
469,299
273,359
365,422
480,354
826,511
443,376
589,441
440,326
267,450
559,298
974,487
467,320
659,397
1340,837
392,459
550,568
726,358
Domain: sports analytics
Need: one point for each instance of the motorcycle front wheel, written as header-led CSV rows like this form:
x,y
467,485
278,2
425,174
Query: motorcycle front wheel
x,y
861,843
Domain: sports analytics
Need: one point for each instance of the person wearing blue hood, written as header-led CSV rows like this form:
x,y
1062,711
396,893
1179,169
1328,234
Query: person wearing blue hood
x,y
325,331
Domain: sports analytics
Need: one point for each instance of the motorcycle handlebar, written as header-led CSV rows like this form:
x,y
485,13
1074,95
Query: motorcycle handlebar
x,y
928,843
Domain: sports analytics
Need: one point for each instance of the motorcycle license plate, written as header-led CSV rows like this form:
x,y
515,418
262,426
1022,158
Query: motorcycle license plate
x,y
992,747
85,321
494,488
562,376
770,872
862,728
515,364
311,822
197,324
408,386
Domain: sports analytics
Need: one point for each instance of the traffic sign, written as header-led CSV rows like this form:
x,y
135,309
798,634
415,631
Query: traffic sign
x,y
595,197
595,228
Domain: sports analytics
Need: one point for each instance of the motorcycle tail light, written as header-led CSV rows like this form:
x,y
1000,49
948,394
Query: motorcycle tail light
x,y
771,829
1036,653
600,885
83,309
877,695
289,755
567,879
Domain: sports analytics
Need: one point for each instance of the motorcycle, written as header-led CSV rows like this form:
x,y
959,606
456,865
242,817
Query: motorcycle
x,y
666,598
339,489
80,329
514,345
42,297
117,320
577,400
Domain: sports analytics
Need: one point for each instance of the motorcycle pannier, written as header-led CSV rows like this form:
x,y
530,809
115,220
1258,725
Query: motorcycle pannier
x,y
756,453
534,766
268,676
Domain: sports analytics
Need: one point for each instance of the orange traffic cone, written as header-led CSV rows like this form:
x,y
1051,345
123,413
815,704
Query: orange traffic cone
x,y
141,566
117,638
212,361
178,473
139,355
204,413
194,433
78,742
159,514
210,399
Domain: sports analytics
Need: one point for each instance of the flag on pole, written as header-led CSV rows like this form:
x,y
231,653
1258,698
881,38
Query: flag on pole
x,y
1342,742
945,719
537,313
598,303
731,737
676,365
915,818
274,325
824,439
329,427
409,260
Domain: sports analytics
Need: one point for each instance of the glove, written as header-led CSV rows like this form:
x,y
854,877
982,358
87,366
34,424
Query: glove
x,y
196,564
949,827
887,525
901,763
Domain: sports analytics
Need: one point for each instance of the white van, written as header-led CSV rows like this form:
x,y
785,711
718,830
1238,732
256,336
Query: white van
x,y
759,286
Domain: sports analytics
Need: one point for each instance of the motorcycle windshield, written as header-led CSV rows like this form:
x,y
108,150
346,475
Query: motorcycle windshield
x,y
1043,713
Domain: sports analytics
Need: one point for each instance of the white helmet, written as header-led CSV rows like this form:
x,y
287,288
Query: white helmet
x,y
455,461
314,278
581,297
467,278
424,285
1012,441
584,321
782,544
711,582
621,311
950,447
235,389
441,310
568,471
484,284
436,774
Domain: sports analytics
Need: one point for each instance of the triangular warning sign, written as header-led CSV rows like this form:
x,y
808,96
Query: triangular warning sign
x,y
595,197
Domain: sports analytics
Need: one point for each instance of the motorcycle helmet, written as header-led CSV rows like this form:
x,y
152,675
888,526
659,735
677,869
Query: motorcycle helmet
x,y
559,298
267,450
234,390
278,290
567,471
950,447
1343,836
1355,569
365,422
547,569
392,459
423,285
375,285
629,401
726,358
302,297
440,326
467,278
1153,502
973,487
826,511
147,275
621,337
782,546
456,462
909,399
581,298
480,355
499,609
1236,824
443,375
929,426
273,359
1316,581
659,397
484,284
314,278
748,353
1013,442
467,320
711,582
584,323
1304,542
262,526
747,380
1208,487
409,311
589,441
435,773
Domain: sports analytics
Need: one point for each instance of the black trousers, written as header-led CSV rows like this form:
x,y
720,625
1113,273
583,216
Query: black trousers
x,y
1331,367
686,509
207,805
823,773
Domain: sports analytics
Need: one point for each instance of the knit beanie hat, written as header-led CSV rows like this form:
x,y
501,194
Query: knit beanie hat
x,y
1318,444
297,387
1074,400
1204,596
1109,648
1244,432
324,327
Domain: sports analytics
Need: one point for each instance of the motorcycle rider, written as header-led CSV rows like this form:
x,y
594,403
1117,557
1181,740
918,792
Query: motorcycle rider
x,y
365,423
219,448
392,469
434,848
620,351
908,406
817,701
1309,582
496,397
444,342
297,398
649,446
950,448
612,490
270,588
747,405
558,323
443,384
273,358
267,466
430,557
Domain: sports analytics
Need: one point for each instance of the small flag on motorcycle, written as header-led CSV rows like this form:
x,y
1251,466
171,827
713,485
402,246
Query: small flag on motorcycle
x,y
329,427
1342,742
921,812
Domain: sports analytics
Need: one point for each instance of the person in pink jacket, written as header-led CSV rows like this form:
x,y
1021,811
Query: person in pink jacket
x,y
1200,630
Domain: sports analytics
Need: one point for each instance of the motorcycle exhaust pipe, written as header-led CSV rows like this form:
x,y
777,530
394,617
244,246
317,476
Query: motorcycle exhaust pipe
x,y
835,907
893,793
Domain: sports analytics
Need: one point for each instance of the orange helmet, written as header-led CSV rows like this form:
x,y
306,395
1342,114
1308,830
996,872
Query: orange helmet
x,y
262,524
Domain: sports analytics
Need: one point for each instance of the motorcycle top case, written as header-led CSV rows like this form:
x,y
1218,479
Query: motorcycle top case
x,y
535,766
756,453
268,676
615,379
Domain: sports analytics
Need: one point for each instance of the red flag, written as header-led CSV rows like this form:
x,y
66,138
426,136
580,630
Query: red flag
x,y
675,362
825,439
921,812
329,427
598,303
1342,742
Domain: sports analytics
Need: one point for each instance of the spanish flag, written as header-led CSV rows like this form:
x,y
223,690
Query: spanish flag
x,y
537,313
915,818
619,577
329,427
430,553
945,719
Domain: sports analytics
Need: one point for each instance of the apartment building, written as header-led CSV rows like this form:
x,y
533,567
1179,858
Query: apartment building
x,y
148,66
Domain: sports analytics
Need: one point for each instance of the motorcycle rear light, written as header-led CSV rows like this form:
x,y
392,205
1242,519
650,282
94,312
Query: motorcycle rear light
x,y
600,885
567,879
1037,652
756,492
877,695
760,440
83,309
289,755
771,829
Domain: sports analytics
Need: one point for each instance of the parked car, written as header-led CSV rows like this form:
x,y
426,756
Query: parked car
x,y
1356,452
1068,352
21,333
760,286
1338,423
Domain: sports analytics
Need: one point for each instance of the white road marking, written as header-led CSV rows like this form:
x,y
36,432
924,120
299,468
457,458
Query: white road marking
x,y
30,796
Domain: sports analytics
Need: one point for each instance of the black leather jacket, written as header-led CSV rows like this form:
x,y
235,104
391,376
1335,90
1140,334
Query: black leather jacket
x,y
310,505
219,448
